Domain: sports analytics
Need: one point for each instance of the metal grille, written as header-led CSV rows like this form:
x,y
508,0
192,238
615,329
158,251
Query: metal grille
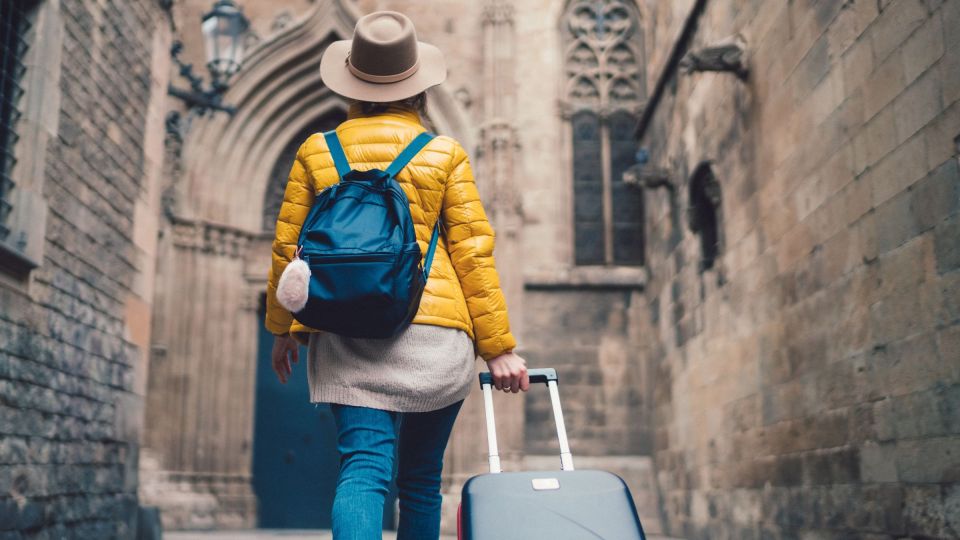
x,y
13,47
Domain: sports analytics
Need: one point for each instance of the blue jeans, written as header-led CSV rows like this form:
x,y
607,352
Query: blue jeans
x,y
366,440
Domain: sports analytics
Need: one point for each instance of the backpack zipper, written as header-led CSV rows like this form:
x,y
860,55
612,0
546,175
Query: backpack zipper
x,y
350,257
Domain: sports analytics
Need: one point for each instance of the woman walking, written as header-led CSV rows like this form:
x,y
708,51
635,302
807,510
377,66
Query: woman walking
x,y
421,376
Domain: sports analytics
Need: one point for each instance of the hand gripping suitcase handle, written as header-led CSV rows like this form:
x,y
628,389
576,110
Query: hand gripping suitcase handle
x,y
541,375
538,375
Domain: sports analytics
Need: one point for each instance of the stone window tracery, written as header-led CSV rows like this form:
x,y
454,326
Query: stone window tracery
x,y
603,94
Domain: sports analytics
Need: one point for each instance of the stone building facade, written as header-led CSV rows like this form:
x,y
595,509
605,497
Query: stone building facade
x,y
78,256
805,375
731,225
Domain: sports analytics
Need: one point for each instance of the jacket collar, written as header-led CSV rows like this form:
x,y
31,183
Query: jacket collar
x,y
393,111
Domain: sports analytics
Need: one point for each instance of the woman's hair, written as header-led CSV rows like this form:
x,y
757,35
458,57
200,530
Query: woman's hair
x,y
417,102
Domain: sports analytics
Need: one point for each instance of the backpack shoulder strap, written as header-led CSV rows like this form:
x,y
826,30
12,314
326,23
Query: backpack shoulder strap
x,y
398,164
336,150
431,249
411,150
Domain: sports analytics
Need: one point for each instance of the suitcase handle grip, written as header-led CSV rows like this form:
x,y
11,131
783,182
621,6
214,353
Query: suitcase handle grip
x,y
547,376
537,375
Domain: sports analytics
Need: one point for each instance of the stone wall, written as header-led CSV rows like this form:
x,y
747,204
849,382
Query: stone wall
x,y
807,384
575,319
74,331
585,335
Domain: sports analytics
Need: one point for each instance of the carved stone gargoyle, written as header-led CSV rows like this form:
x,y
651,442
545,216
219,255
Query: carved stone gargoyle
x,y
726,55
643,177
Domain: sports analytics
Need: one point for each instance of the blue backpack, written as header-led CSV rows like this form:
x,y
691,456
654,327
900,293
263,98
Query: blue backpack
x,y
358,240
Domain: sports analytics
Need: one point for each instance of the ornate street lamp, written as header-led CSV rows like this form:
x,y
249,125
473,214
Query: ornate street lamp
x,y
223,29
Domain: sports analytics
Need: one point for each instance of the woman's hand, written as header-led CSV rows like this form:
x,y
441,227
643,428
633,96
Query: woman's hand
x,y
281,364
509,373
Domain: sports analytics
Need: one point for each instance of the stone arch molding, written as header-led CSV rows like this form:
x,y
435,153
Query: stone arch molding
x,y
227,160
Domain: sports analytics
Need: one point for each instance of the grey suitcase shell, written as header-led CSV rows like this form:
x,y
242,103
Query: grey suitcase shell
x,y
551,505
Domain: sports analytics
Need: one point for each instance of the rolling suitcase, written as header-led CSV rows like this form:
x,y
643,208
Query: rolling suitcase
x,y
552,505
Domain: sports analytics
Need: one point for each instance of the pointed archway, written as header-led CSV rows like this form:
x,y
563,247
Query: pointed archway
x,y
213,258
277,94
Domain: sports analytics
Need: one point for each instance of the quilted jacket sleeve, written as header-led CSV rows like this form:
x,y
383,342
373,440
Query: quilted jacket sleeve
x,y
297,200
470,240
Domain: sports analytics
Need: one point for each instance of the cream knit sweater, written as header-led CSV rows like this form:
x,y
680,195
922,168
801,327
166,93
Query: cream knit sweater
x,y
425,368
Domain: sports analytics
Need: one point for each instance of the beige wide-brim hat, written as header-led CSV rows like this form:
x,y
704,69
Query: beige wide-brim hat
x,y
383,62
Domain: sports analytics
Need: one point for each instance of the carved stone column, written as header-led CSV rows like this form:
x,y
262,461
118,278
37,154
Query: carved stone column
x,y
197,455
494,162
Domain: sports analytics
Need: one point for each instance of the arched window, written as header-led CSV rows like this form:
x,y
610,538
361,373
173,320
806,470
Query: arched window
x,y
604,89
704,214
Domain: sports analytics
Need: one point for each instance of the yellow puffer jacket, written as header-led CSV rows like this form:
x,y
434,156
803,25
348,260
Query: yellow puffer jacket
x,y
463,290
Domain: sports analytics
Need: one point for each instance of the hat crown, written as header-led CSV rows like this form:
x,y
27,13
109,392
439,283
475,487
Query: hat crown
x,y
384,44
382,62
385,29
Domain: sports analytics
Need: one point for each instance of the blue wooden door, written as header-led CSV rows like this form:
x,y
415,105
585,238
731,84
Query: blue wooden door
x,y
294,448
295,459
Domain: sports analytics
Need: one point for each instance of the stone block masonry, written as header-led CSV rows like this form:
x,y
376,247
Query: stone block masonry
x,y
583,335
807,386
74,332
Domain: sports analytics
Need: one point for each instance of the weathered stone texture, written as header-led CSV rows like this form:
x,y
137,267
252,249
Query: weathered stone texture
x,y
69,424
583,335
808,384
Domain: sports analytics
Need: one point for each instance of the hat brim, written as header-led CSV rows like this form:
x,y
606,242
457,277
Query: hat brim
x,y
337,77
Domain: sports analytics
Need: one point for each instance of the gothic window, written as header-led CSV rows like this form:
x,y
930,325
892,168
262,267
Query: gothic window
x,y
704,214
587,189
13,46
603,53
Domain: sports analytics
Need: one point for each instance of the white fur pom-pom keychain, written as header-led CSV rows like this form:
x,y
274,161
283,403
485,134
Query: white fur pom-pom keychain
x,y
294,284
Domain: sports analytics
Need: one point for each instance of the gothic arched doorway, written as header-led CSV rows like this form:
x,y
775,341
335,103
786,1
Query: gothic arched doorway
x,y
213,258
295,460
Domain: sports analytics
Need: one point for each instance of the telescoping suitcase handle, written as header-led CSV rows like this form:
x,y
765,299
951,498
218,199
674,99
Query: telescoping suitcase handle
x,y
541,375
